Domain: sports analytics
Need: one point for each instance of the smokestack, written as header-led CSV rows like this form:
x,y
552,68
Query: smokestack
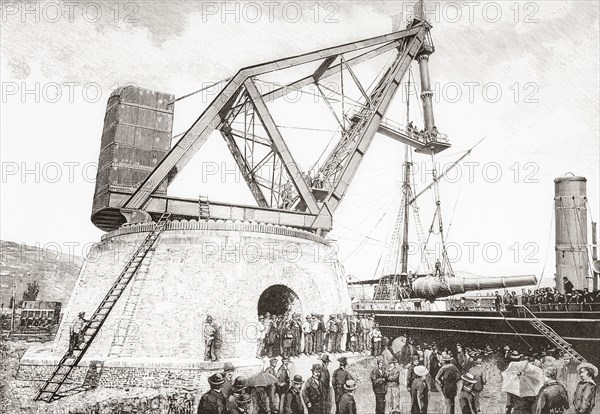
x,y
571,232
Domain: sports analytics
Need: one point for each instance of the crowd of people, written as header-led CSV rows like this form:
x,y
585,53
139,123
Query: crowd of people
x,y
459,373
547,296
425,134
291,335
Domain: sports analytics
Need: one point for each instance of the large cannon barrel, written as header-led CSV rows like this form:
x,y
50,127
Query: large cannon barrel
x,y
433,287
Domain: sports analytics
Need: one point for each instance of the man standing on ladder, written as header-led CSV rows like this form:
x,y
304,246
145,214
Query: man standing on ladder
x,y
76,332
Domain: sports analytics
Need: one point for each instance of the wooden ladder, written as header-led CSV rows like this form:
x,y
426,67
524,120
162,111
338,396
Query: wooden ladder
x,y
49,392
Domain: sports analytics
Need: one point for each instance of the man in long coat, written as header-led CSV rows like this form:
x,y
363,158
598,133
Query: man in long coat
x,y
553,397
446,378
313,390
326,384
283,381
213,401
293,401
378,381
340,376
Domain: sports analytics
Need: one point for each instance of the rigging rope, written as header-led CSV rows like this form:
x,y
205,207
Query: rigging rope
x,y
372,230
587,251
199,90
547,250
515,331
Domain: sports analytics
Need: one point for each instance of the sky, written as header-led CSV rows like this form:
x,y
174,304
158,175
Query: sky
x,y
522,75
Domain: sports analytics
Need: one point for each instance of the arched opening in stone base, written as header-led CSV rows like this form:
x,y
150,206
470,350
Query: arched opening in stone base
x,y
279,300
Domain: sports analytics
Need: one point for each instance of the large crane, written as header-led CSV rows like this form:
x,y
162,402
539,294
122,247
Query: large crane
x,y
241,114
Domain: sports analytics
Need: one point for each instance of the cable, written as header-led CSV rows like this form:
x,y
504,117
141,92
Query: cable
x,y
547,250
199,90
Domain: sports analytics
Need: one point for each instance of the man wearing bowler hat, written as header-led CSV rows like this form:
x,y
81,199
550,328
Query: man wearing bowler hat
x,y
293,401
239,386
313,391
347,405
213,401
340,376
243,404
228,370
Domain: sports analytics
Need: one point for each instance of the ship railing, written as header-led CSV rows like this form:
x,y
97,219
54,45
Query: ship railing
x,y
564,307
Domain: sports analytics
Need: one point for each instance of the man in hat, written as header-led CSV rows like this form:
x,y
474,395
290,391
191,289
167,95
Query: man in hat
x,y
243,404
260,336
515,356
76,332
293,401
392,394
466,400
312,392
210,334
308,336
364,332
410,373
460,357
352,331
497,301
343,334
331,333
325,383
585,393
227,388
272,389
553,397
446,379
319,330
419,391
213,401
347,405
283,381
407,352
296,327
378,381
480,375
239,385
340,376
376,337
567,285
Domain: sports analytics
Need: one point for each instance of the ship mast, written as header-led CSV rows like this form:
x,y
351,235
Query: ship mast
x,y
406,189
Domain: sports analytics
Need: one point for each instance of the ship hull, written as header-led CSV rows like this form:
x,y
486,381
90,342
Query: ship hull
x,y
580,329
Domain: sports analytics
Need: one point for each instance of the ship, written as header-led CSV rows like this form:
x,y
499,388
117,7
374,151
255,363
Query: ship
x,y
434,302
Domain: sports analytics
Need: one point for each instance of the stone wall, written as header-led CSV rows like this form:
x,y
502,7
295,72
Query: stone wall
x,y
196,268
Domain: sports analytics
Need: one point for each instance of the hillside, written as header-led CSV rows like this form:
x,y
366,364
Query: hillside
x,y
21,264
